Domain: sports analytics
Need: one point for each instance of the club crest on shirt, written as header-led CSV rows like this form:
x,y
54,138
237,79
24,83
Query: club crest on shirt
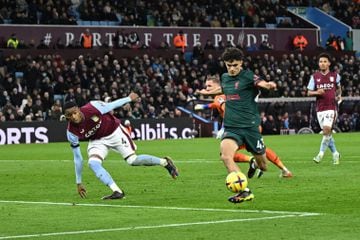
x,y
95,118
332,79
237,85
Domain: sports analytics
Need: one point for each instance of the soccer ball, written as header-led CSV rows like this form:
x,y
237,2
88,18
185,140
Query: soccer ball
x,y
236,182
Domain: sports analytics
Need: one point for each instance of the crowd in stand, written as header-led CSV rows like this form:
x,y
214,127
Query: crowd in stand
x,y
199,13
35,88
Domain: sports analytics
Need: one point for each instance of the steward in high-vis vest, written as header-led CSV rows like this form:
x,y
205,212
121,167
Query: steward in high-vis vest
x,y
180,41
12,42
87,39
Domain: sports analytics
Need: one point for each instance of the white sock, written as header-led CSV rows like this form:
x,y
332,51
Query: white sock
x,y
163,162
115,188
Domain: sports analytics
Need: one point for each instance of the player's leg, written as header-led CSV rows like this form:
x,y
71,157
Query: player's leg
x,y
255,145
122,143
326,120
328,124
97,152
228,147
275,159
241,157
325,140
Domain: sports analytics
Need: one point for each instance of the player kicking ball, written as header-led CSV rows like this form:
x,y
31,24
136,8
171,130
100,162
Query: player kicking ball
x,y
95,123
242,117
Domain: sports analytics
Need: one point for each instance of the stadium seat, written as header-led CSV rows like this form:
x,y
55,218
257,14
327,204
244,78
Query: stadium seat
x,y
270,25
188,57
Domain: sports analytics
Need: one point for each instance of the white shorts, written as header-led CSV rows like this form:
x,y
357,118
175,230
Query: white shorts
x,y
326,118
119,141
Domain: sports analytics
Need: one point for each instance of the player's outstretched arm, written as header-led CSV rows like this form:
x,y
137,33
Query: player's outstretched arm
x,y
267,85
104,107
214,91
78,162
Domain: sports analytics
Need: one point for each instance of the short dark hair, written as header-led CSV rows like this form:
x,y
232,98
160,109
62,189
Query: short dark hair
x,y
232,54
215,78
69,104
324,55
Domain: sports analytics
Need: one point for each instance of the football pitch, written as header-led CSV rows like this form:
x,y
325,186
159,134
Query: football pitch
x,y
38,197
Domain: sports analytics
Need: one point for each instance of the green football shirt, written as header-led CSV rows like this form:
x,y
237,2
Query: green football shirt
x,y
241,108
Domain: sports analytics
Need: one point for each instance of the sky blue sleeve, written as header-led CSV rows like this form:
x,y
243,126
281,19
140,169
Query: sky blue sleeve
x,y
338,79
311,85
78,159
104,107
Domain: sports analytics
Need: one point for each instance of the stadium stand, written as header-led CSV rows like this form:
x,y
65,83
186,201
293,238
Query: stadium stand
x,y
34,87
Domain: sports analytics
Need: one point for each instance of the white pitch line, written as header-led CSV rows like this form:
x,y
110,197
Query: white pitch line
x,y
161,207
149,227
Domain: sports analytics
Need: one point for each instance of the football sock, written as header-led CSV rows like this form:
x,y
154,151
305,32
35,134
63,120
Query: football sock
x,y
149,160
272,157
100,172
332,145
115,187
324,143
240,157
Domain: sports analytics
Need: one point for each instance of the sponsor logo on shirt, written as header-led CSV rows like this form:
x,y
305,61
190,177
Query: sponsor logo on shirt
x,y
93,130
233,97
325,86
95,118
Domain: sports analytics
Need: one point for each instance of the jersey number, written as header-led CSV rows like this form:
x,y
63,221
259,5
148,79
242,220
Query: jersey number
x,y
260,144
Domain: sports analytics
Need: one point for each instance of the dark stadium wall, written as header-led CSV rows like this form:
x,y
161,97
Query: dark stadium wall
x,y
152,37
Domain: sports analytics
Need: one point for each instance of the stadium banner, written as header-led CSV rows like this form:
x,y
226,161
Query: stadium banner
x,y
32,132
53,131
154,36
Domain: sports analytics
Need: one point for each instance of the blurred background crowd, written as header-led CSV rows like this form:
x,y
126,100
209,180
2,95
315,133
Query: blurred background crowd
x,y
35,87
199,13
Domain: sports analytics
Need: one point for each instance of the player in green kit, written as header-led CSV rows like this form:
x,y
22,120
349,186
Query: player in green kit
x,y
242,119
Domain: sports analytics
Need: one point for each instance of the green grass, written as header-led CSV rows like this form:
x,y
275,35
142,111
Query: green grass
x,y
36,175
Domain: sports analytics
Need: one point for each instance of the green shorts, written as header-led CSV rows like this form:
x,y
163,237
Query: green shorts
x,y
250,137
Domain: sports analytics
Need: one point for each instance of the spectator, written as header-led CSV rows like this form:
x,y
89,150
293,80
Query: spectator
x,y
133,40
331,43
86,40
348,42
12,42
56,111
209,45
198,52
269,126
265,45
180,41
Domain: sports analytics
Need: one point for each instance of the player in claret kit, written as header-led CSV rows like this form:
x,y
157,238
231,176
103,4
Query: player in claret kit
x,y
95,123
325,86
